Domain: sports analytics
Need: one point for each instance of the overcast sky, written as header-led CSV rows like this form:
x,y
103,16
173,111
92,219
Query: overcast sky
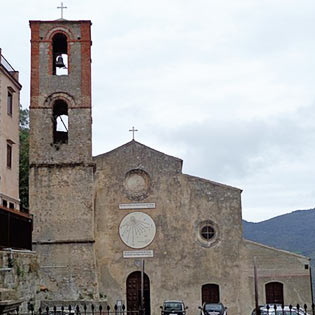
x,y
227,86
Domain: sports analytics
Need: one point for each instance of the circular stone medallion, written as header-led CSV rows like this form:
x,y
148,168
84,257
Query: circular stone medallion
x,y
137,230
137,184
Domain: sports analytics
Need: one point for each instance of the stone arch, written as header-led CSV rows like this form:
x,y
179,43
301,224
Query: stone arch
x,y
60,105
69,99
50,34
53,56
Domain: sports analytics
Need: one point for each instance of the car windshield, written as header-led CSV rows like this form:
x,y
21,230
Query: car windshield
x,y
213,307
173,306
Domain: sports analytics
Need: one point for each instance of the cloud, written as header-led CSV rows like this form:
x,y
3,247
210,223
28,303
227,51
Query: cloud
x,y
226,85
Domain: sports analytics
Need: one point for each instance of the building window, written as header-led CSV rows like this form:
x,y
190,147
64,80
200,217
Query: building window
x,y
4,203
207,232
11,205
10,103
274,293
60,122
60,54
9,155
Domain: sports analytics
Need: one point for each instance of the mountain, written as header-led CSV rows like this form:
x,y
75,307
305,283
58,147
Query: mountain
x,y
293,231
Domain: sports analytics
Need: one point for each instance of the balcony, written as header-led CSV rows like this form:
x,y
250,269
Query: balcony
x,y
15,229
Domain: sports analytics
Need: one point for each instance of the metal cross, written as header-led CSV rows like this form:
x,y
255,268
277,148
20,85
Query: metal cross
x,y
133,132
61,8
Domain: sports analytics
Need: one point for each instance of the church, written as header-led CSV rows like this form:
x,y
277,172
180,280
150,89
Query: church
x,y
127,226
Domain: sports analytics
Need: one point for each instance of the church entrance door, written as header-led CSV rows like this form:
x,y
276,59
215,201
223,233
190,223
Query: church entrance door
x,y
134,292
210,293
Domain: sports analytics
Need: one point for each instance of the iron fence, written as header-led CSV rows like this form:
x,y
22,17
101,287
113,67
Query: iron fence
x,y
275,309
81,310
278,309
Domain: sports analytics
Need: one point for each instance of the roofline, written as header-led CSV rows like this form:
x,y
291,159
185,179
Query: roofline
x,y
214,183
276,249
134,141
60,20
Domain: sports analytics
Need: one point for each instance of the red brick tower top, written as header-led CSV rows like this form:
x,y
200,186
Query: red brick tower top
x,y
60,107
72,41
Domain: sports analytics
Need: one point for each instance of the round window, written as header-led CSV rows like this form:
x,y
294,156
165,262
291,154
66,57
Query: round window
x,y
207,232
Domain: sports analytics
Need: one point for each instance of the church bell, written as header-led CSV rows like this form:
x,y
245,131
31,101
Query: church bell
x,y
60,63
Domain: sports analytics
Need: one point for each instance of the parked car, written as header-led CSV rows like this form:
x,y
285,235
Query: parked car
x,y
213,309
173,307
285,310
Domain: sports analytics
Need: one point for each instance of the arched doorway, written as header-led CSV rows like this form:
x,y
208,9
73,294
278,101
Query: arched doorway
x,y
210,293
133,285
274,293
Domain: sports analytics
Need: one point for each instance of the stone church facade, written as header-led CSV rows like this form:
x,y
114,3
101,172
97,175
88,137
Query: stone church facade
x,y
97,219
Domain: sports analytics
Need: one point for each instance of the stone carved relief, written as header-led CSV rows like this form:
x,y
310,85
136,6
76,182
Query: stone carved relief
x,y
137,184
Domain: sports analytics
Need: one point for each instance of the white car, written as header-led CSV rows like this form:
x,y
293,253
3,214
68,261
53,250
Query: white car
x,y
213,309
173,307
278,310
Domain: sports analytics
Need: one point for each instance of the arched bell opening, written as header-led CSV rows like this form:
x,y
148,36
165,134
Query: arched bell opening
x,y
60,122
60,54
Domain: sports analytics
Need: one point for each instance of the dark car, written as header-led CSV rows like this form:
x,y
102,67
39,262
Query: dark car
x,y
213,309
173,307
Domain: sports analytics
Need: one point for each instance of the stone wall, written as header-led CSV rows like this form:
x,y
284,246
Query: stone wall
x,y
182,261
19,276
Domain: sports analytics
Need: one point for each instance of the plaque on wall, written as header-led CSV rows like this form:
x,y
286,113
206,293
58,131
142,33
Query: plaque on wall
x,y
150,205
137,253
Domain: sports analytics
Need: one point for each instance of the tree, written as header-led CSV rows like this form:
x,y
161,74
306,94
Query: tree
x,y
24,158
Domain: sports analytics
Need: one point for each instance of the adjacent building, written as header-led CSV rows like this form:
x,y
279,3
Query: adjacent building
x,y
9,135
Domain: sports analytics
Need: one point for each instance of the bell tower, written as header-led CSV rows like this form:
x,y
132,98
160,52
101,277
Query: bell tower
x,y
61,168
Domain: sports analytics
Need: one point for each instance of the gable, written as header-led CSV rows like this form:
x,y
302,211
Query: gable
x,y
135,155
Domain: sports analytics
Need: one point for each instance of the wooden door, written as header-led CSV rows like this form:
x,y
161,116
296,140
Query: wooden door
x,y
134,292
274,293
210,293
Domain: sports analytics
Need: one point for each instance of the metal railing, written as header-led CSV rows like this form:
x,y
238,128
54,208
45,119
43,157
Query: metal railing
x,y
81,310
15,229
5,63
277,309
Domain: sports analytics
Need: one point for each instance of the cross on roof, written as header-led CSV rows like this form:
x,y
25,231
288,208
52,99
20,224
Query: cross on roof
x,y
61,9
133,132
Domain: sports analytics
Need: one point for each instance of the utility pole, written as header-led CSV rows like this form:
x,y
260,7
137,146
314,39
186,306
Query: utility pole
x,y
142,287
256,288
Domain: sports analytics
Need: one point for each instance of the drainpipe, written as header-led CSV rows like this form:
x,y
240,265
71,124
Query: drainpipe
x,y
311,280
